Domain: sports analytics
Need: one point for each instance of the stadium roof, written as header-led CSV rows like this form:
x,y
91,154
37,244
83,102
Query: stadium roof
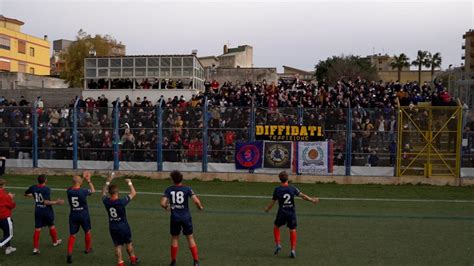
x,y
134,56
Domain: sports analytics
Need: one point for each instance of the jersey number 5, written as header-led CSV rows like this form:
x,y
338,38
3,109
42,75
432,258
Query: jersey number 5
x,y
75,202
177,197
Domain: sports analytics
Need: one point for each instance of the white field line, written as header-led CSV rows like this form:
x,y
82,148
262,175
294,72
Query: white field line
x,y
268,197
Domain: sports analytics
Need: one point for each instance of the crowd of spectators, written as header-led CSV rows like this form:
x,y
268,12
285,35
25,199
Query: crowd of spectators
x,y
373,107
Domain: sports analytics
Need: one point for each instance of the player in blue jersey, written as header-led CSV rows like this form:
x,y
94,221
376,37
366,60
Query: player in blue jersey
x,y
79,214
118,224
175,200
285,195
44,214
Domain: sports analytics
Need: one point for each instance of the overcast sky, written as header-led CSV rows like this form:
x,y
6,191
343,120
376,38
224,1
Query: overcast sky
x,y
297,34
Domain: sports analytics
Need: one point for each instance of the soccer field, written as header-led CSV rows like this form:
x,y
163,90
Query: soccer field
x,y
352,225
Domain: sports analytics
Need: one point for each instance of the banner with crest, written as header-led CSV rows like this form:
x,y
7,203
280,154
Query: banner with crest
x,y
248,155
277,154
313,157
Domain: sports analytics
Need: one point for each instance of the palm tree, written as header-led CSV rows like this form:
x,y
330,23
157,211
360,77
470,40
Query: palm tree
x,y
422,60
399,62
435,62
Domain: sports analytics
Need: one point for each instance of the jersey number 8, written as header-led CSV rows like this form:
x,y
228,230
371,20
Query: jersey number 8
x,y
177,197
113,212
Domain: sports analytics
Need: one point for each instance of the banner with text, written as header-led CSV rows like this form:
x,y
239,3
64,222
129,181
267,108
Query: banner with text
x,y
313,157
248,155
277,154
288,133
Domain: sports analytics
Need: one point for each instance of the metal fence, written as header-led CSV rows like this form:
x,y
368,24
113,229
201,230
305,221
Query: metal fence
x,y
195,136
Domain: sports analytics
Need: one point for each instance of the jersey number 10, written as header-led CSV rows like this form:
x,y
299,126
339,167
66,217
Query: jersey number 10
x,y
39,198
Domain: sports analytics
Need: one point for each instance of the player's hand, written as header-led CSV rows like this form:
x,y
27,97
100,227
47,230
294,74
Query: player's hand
x,y
315,200
87,176
128,180
60,201
200,208
111,176
11,195
266,210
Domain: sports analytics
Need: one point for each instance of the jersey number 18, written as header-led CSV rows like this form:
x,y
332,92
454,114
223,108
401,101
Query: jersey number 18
x,y
177,197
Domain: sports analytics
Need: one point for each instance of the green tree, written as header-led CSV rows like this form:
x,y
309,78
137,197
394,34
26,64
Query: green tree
x,y
399,62
345,67
82,47
422,60
435,62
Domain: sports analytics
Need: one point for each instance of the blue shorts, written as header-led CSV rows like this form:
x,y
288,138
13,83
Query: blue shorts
x,y
185,225
121,234
288,219
79,220
44,218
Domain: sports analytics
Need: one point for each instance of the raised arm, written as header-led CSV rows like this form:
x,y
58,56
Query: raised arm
x,y
87,176
270,205
197,202
133,193
107,184
308,198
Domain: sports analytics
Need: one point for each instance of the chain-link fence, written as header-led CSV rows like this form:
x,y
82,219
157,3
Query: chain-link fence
x,y
161,137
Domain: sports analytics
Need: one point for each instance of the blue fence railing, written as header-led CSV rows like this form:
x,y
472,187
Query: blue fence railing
x,y
198,133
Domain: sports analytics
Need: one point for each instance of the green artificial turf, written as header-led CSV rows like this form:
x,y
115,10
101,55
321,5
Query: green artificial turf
x,y
236,231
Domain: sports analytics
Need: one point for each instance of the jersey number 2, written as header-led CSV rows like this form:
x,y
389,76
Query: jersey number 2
x,y
177,197
287,198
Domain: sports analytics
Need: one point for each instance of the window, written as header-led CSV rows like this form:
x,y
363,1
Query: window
x,y
4,43
32,51
21,67
21,47
32,70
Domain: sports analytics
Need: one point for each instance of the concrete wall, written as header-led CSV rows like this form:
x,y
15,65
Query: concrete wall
x,y
152,95
12,80
208,61
406,76
247,177
242,74
51,96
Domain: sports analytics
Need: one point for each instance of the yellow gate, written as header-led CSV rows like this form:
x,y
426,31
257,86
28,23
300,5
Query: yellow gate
x,y
429,141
